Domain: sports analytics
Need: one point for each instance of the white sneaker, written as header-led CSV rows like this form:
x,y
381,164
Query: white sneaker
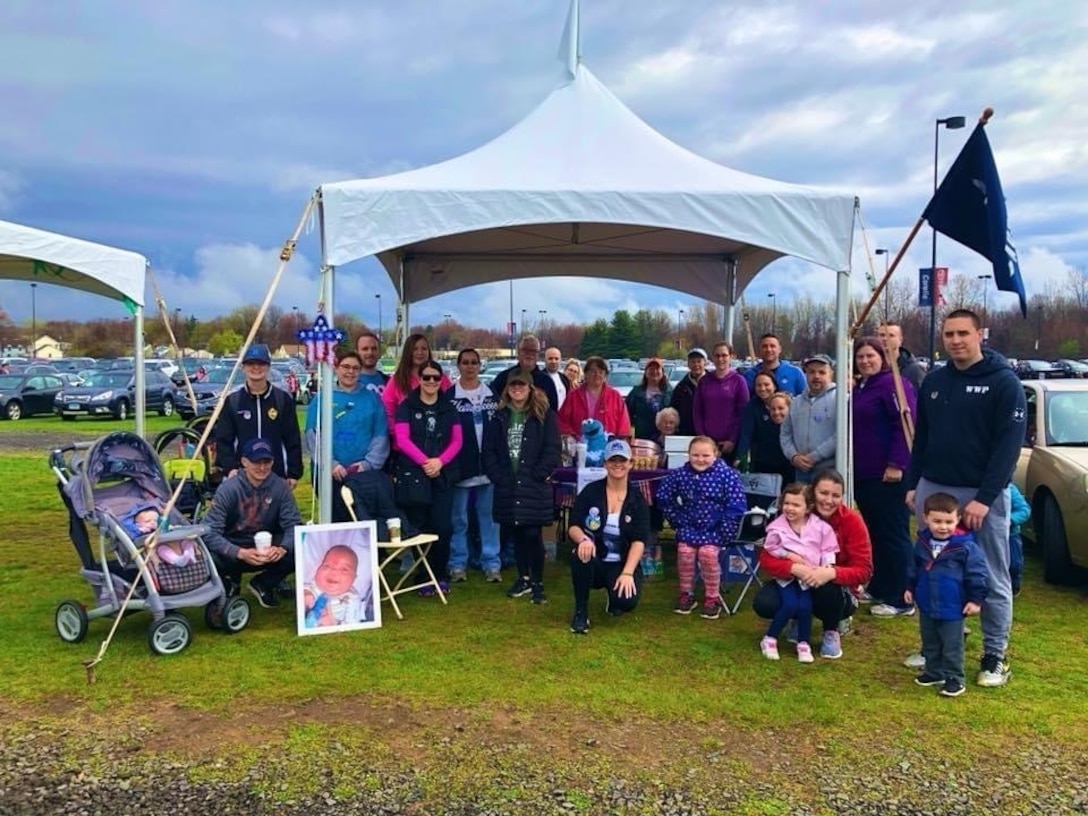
x,y
769,647
889,611
993,672
804,653
915,660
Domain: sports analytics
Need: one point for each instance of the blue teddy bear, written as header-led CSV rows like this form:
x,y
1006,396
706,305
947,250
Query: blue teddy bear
x,y
595,438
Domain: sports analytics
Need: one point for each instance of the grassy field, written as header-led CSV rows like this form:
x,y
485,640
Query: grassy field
x,y
489,665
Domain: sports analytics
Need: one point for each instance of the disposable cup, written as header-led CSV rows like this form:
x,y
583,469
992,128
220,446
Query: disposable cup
x,y
393,524
263,541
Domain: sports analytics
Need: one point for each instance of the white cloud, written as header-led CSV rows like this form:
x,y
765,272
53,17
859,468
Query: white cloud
x,y
11,185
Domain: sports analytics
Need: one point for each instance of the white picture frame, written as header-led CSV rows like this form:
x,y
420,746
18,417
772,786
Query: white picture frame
x,y
328,597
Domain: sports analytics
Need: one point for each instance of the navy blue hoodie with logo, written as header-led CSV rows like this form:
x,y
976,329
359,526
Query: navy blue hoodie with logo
x,y
970,427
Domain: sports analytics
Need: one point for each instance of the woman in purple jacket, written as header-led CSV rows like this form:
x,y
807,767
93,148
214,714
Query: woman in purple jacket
x,y
719,403
881,455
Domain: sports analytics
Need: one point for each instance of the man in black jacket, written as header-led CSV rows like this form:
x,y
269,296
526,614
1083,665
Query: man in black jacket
x,y
683,395
528,351
259,410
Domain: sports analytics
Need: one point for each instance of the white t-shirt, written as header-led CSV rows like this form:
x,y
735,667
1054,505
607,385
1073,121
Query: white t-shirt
x,y
612,538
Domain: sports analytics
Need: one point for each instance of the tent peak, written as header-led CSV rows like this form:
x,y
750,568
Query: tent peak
x,y
570,45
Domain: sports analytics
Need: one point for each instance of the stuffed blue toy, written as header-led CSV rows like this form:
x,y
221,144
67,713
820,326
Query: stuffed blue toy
x,y
595,438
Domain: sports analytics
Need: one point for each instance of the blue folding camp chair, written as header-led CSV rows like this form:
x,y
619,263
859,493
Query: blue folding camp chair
x,y
739,560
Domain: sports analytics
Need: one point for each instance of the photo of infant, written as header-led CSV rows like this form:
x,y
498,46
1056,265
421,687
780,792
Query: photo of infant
x,y
336,568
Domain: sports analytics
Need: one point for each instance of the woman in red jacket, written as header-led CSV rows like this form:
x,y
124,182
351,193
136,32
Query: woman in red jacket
x,y
596,399
834,588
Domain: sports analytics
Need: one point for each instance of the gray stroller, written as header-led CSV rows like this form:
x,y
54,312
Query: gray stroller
x,y
100,483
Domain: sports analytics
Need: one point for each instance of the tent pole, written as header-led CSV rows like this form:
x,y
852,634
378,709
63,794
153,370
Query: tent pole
x,y
140,375
843,363
325,380
730,300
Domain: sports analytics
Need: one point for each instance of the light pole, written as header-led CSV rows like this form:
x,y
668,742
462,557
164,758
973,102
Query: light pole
x,y
298,328
679,330
885,253
33,321
540,326
522,322
446,319
952,123
774,313
378,297
177,341
985,325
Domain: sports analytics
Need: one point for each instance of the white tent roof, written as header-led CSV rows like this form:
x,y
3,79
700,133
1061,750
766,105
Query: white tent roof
x,y
46,257
581,187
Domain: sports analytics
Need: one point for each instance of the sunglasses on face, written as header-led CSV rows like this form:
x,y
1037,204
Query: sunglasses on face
x,y
518,385
431,378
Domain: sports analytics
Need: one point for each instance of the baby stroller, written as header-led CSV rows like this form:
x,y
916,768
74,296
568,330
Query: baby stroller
x,y
99,483
175,449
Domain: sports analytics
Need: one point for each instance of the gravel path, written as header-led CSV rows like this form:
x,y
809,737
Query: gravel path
x,y
60,771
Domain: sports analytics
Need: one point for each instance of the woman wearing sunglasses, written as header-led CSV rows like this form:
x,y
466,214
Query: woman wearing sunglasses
x,y
521,449
428,436
416,352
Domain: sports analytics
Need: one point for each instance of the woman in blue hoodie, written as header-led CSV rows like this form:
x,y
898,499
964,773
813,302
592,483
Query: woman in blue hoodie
x,y
881,456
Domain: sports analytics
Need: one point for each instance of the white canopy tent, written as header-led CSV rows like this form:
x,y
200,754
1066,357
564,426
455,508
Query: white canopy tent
x,y
37,256
583,187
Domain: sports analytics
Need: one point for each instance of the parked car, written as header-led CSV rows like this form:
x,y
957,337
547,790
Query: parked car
x,y
1073,368
624,379
23,395
113,393
1052,473
207,391
1038,370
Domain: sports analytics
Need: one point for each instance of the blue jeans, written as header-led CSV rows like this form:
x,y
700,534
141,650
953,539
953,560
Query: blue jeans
x,y
489,530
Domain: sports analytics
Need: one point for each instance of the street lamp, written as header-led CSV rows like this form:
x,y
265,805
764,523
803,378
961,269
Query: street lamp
x,y
540,325
446,319
985,327
952,123
177,342
33,321
885,253
523,321
298,328
378,297
679,330
774,313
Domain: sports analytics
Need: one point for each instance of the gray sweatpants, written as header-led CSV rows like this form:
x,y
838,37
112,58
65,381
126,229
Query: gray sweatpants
x,y
993,539
942,647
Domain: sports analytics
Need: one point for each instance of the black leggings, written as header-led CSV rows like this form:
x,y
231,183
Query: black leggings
x,y
437,518
831,603
528,551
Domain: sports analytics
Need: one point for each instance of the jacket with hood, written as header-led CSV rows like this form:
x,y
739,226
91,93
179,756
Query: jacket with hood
x,y
912,371
270,415
970,427
942,585
719,406
240,509
810,428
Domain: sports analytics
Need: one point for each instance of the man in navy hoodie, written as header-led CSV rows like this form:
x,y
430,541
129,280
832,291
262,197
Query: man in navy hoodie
x,y
967,440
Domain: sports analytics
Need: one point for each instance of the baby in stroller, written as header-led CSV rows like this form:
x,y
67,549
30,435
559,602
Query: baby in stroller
x,y
143,519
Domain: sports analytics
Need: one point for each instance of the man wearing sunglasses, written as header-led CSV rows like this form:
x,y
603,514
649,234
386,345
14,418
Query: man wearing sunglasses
x,y
360,432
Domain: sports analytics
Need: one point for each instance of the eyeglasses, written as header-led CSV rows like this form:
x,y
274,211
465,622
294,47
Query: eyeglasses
x,y
431,378
350,368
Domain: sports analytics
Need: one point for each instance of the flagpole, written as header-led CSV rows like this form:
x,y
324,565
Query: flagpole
x,y
884,281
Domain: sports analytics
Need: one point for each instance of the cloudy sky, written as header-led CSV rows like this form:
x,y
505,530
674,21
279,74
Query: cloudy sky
x,y
194,131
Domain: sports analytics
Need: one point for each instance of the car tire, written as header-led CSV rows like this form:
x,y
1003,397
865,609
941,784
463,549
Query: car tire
x,y
167,407
13,410
1057,565
122,410
68,417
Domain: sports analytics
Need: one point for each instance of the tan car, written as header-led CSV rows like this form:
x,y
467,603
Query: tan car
x,y
1052,473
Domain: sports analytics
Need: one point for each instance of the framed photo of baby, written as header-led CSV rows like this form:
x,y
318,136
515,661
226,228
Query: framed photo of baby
x,y
336,567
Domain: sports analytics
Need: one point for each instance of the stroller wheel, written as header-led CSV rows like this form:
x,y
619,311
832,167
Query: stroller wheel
x,y
235,615
213,614
71,621
170,635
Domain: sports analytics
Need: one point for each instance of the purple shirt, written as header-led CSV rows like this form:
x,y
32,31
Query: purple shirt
x,y
879,440
719,406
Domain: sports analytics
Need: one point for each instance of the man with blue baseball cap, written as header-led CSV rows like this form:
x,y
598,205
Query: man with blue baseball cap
x,y
254,501
259,409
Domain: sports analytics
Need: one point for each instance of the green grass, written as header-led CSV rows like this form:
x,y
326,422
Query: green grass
x,y
484,653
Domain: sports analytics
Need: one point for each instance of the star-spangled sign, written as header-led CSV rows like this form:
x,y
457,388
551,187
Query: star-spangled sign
x,y
320,340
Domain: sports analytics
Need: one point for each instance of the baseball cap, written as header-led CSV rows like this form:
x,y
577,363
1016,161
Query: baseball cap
x,y
257,353
655,361
520,376
617,447
698,352
818,358
258,450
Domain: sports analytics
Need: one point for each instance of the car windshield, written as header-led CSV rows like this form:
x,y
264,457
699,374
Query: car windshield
x,y
218,376
1067,418
625,378
10,381
108,379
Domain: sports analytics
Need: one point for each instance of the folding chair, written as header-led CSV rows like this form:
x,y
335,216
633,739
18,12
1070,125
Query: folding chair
x,y
390,552
738,559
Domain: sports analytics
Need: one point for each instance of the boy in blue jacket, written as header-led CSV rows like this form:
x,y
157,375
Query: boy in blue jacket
x,y
947,580
1019,515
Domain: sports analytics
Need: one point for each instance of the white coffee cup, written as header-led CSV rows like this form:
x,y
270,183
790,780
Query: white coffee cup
x,y
582,450
263,541
394,530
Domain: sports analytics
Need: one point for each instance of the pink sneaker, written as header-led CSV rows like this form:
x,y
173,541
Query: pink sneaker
x,y
804,653
769,647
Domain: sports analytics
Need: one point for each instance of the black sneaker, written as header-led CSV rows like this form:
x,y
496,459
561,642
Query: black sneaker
x,y
266,596
538,594
579,624
285,589
927,679
230,586
520,588
953,688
